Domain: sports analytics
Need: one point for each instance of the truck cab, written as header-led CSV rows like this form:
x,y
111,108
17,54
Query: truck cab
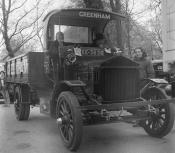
x,y
80,28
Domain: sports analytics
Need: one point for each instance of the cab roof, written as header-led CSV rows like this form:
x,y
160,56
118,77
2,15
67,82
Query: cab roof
x,y
81,17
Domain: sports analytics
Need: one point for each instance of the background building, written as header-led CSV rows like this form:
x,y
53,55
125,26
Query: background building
x,y
168,17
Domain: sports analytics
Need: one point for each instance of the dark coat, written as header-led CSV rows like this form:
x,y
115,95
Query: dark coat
x,y
146,69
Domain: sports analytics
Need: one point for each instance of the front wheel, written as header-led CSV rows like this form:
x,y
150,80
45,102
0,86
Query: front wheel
x,y
161,120
69,115
22,109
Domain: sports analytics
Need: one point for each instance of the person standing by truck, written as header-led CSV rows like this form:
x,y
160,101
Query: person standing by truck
x,y
146,69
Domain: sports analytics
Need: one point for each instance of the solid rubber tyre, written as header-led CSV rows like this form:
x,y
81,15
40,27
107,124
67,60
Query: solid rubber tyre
x,y
162,123
22,110
71,130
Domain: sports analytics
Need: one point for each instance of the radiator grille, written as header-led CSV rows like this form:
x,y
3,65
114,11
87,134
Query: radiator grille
x,y
119,84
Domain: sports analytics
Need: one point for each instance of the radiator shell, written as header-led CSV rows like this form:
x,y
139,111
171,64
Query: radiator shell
x,y
119,80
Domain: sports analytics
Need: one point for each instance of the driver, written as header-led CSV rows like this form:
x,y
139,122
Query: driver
x,y
59,42
54,53
99,41
102,43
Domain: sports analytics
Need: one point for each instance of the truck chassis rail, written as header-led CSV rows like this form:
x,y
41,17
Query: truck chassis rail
x,y
126,105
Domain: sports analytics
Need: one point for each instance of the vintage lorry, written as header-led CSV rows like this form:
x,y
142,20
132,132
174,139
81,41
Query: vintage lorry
x,y
82,84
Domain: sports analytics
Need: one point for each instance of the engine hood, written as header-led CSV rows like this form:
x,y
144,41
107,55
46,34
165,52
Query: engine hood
x,y
119,61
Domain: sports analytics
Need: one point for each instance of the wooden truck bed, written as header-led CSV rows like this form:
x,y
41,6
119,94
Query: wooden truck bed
x,y
27,68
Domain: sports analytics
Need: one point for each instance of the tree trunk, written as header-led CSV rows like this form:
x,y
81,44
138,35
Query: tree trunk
x,y
5,29
96,4
11,32
8,46
116,7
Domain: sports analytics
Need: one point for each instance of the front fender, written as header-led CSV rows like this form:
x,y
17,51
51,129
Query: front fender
x,y
66,85
162,85
154,91
74,83
158,81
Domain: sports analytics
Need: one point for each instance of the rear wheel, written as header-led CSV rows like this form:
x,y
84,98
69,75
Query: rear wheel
x,y
2,100
71,121
22,108
161,119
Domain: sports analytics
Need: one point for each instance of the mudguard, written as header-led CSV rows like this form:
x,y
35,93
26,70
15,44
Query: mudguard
x,y
60,87
159,81
74,83
155,90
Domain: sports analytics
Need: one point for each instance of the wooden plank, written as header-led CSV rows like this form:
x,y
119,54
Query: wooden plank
x,y
26,68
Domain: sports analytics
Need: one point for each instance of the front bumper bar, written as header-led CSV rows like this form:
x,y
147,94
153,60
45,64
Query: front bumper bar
x,y
126,105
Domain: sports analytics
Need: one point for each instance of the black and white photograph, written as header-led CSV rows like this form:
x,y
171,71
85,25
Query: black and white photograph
x,y
87,76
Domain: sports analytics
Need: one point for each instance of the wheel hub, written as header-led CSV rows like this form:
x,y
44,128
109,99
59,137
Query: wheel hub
x,y
64,120
157,111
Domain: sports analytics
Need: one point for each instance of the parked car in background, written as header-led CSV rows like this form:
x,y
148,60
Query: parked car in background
x,y
158,68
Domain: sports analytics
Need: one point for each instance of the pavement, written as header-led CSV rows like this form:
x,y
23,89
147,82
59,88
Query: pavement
x,y
40,135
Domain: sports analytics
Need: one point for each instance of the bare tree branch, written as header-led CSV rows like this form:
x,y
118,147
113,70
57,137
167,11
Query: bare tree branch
x,y
7,8
1,42
18,7
25,27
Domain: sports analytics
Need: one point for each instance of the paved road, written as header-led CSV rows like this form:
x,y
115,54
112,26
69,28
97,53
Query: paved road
x,y
40,135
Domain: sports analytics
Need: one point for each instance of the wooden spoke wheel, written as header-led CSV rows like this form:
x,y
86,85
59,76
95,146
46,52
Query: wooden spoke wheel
x,y
69,114
22,110
2,100
161,119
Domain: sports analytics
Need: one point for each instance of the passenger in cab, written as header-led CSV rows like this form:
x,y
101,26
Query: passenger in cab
x,y
99,41
102,43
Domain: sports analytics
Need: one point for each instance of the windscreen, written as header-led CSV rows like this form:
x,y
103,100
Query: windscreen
x,y
74,34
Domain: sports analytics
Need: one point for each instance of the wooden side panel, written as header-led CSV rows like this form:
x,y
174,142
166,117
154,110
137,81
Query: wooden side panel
x,y
22,69
17,69
8,69
27,68
12,71
36,69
